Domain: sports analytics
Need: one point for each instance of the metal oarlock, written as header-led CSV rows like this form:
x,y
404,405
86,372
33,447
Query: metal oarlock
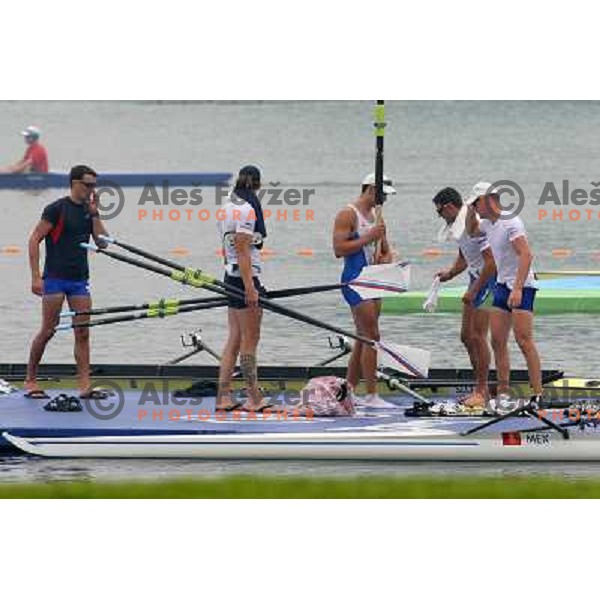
x,y
194,341
340,343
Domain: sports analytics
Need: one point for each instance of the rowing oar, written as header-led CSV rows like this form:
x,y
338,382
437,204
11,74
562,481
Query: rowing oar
x,y
413,361
160,309
379,196
373,282
152,313
163,307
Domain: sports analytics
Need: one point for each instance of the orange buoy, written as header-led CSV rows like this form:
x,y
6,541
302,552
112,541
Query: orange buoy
x,y
14,250
179,251
562,252
305,252
432,252
267,252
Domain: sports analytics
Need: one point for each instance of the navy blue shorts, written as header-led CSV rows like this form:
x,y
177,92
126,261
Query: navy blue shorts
x,y
502,292
66,287
238,282
486,293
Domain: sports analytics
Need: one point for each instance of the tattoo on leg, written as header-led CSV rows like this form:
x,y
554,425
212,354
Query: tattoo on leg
x,y
248,368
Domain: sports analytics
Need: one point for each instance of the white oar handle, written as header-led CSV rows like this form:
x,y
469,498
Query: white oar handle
x,y
63,327
65,314
91,247
107,238
431,301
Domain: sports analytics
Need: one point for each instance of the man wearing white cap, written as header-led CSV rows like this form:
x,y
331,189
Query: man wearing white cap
x,y
514,295
361,241
36,157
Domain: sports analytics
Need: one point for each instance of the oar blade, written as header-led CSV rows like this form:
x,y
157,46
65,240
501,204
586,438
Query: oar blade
x,y
406,359
380,281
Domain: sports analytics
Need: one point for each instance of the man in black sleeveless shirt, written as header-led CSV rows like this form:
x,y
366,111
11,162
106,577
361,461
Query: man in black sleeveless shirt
x,y
64,225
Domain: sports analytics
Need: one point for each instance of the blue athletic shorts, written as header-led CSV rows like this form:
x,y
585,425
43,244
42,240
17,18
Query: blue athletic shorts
x,y
486,293
66,287
351,297
502,292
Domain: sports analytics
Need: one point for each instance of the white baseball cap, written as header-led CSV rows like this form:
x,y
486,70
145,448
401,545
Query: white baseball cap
x,y
387,183
31,131
483,188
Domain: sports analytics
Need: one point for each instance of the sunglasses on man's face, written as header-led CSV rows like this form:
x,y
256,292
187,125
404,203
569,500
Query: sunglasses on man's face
x,y
90,185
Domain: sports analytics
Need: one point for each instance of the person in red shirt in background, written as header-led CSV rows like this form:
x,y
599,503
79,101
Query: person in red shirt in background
x,y
36,157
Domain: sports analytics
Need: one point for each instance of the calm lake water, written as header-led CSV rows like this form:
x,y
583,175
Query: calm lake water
x,y
327,147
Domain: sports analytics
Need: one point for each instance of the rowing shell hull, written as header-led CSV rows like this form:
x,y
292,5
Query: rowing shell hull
x,y
361,447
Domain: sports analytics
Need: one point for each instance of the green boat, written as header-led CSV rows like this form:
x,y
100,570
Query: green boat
x,y
557,296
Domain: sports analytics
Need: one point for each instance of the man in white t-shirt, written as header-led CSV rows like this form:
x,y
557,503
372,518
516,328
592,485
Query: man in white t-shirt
x,y
515,291
475,257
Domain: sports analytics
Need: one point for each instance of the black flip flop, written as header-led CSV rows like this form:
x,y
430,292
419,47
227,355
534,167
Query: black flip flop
x,y
259,409
36,395
198,389
231,407
96,394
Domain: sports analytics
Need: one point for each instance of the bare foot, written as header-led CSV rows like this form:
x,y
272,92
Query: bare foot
x,y
474,400
224,401
30,386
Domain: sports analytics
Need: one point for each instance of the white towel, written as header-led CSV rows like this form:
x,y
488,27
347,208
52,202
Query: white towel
x,y
458,227
443,234
455,230
430,303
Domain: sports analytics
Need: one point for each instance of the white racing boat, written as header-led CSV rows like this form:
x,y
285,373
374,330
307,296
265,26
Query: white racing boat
x,y
146,419
411,445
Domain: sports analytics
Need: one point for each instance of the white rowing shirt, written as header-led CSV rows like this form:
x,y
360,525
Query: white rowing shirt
x,y
239,217
472,249
501,235
363,226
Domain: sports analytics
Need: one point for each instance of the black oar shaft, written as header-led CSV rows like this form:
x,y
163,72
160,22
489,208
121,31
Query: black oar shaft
x,y
153,257
302,291
284,293
164,303
222,288
177,267
379,133
151,315
109,310
135,262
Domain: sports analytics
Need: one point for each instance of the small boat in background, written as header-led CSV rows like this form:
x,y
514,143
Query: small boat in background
x,y
560,292
37,181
